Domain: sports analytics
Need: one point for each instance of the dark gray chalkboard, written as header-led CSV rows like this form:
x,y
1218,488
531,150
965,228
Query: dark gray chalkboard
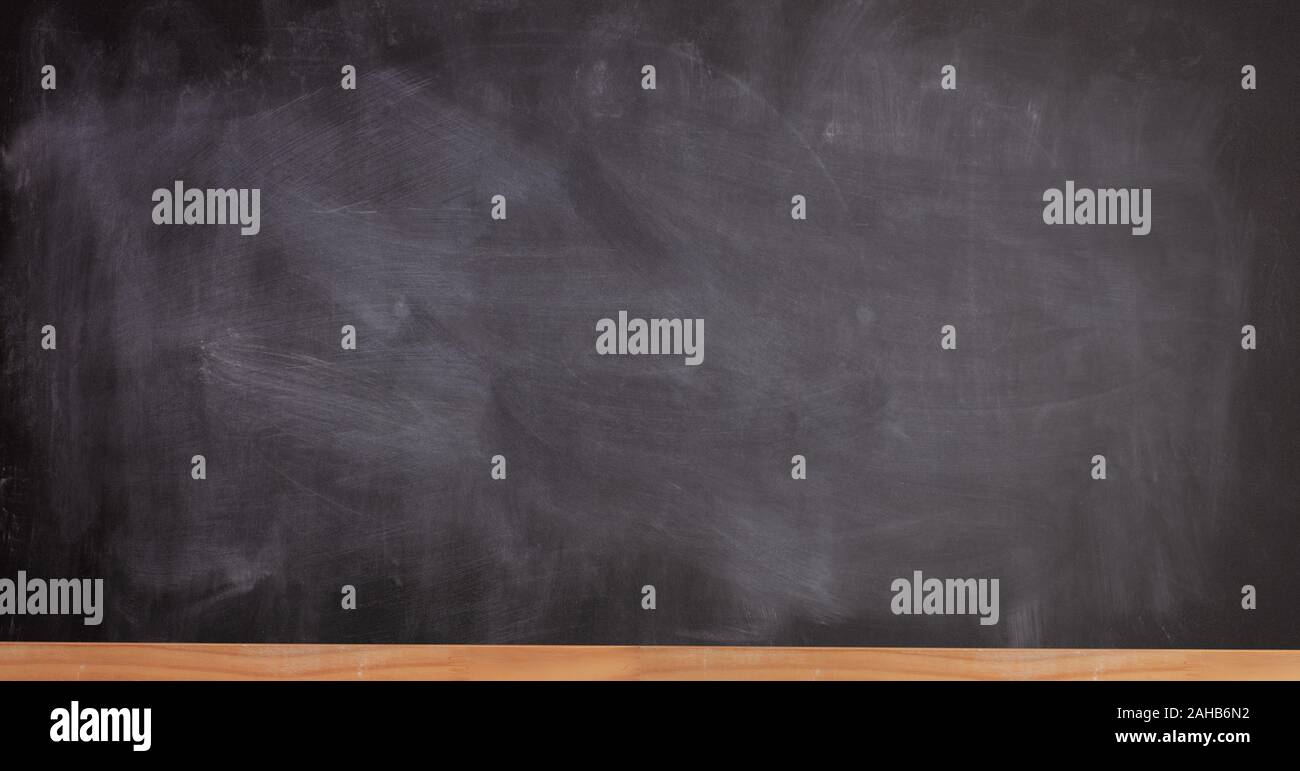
x,y
329,467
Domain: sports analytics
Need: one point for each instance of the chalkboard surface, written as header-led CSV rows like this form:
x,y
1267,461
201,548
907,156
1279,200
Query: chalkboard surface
x,y
414,400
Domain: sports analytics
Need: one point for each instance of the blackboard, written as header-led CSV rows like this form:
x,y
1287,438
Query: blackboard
x,y
852,197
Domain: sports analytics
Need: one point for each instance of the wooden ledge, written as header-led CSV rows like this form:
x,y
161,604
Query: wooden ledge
x,y
167,661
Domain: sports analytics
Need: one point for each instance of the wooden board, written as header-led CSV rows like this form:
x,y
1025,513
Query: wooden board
x,y
147,661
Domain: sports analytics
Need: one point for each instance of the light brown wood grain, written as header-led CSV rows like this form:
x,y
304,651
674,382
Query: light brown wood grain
x,y
161,661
